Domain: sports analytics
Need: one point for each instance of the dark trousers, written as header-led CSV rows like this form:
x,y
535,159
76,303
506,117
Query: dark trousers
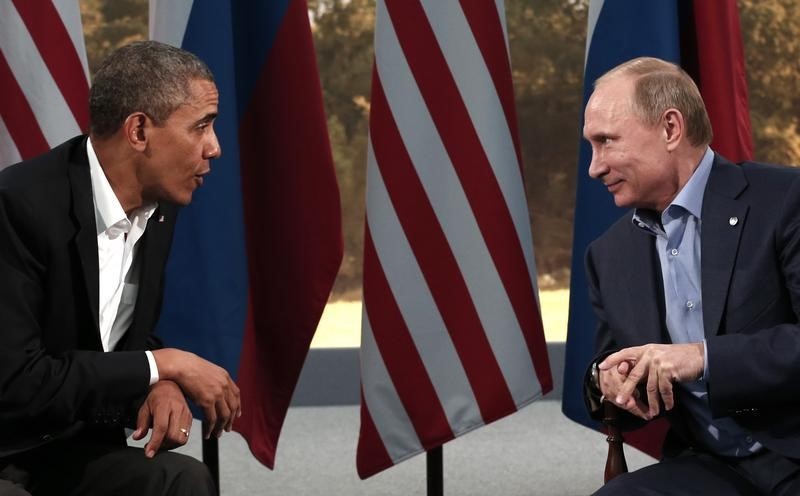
x,y
95,467
694,473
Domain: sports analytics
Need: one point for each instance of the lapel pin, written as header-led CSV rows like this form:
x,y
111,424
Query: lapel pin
x,y
161,219
733,221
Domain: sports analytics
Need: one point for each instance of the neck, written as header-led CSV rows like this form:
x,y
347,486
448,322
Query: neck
x,y
686,162
118,165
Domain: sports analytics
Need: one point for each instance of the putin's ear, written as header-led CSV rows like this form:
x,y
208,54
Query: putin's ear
x,y
674,128
135,130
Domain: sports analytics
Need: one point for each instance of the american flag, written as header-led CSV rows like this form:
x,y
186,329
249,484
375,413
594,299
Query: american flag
x,y
451,333
44,81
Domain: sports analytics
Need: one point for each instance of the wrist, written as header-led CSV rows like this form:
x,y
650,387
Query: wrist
x,y
594,380
164,362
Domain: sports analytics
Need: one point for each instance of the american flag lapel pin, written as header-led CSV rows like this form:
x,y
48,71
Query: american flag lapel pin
x,y
160,219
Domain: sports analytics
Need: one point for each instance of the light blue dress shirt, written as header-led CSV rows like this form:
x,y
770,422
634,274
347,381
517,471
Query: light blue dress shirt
x,y
677,233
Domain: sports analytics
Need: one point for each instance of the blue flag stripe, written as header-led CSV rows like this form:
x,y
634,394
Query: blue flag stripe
x,y
208,255
625,29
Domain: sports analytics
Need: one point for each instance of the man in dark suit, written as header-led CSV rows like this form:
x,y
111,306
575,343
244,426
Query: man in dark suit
x,y
85,231
696,291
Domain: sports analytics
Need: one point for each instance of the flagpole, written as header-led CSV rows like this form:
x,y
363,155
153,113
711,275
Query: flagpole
x,y
434,464
211,456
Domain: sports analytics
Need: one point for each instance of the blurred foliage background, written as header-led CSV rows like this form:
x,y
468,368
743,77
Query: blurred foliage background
x,y
547,40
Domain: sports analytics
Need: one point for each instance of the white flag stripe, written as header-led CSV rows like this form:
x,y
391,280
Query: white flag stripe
x,y
168,20
70,14
501,13
385,408
49,107
8,150
595,6
413,297
479,94
442,186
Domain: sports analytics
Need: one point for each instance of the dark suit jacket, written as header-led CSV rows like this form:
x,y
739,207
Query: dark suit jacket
x,y
750,270
55,380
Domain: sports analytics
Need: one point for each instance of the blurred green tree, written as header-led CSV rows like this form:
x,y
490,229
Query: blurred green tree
x,y
547,40
108,25
343,32
771,32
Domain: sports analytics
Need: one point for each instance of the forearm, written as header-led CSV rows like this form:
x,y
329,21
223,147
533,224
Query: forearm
x,y
754,370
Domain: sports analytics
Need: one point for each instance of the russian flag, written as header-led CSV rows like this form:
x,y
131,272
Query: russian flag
x,y
705,39
256,253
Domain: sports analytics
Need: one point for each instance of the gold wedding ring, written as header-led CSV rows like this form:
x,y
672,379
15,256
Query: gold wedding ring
x,y
185,431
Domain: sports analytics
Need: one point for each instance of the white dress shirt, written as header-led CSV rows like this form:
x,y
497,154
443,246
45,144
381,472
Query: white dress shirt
x,y
117,237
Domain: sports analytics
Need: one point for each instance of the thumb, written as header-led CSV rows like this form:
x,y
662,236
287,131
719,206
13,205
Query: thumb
x,y
615,359
142,423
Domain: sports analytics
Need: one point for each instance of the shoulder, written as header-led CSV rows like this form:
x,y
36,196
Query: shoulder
x,y
616,234
757,175
41,184
766,189
38,172
757,171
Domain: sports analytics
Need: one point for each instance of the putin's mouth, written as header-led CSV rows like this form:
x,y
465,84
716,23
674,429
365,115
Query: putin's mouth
x,y
612,186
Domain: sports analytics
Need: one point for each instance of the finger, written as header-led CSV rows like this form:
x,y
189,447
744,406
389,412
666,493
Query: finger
x,y
223,415
624,367
652,392
665,388
238,395
610,383
631,381
154,444
186,422
211,421
607,383
182,432
637,408
142,422
180,426
233,405
614,359
160,426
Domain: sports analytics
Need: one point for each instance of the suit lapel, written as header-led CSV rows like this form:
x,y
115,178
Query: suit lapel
x,y
723,219
83,217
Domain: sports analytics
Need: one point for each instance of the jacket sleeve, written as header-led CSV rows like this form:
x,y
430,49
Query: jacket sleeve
x,y
604,346
44,391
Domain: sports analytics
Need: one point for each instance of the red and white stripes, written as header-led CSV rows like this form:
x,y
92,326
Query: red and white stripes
x,y
451,336
43,77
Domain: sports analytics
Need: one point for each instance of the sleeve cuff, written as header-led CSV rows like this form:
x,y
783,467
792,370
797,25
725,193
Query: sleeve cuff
x,y
151,361
705,361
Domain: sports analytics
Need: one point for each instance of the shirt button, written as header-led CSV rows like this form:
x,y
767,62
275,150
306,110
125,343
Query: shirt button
x,y
690,304
674,252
